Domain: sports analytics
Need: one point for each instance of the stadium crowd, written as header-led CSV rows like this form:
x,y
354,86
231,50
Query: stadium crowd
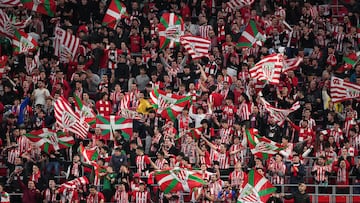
x,y
113,63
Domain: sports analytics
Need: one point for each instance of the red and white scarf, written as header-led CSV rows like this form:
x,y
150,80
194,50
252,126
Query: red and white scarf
x,y
50,195
35,177
75,169
121,197
341,175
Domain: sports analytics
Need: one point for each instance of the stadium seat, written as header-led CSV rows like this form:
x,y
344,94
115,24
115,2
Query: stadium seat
x,y
323,199
340,199
355,199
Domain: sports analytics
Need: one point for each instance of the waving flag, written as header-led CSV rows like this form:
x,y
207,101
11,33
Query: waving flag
x,y
260,146
22,42
251,36
6,27
269,68
46,7
178,179
291,64
89,154
109,124
256,189
171,28
234,5
22,24
49,140
169,106
9,3
279,115
73,184
67,119
341,90
114,13
197,47
65,43
85,113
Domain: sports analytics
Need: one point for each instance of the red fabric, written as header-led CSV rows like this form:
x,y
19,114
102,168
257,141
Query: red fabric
x,y
103,107
185,12
135,42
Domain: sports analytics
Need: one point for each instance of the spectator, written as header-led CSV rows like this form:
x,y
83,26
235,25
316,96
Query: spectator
x,y
95,196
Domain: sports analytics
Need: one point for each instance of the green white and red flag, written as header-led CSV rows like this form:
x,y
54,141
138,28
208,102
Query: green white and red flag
x,y
178,179
256,189
109,124
170,28
89,154
260,146
169,106
195,133
350,61
50,140
46,7
252,36
22,42
85,112
115,12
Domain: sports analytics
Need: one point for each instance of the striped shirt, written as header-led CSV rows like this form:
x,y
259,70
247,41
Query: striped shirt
x,y
142,197
204,31
320,172
142,163
13,154
278,168
236,179
121,197
224,160
244,111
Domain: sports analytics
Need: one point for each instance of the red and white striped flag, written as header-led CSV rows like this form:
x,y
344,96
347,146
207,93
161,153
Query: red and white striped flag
x,y
22,24
197,47
9,3
6,27
67,119
73,184
291,64
65,43
279,115
234,5
341,90
269,68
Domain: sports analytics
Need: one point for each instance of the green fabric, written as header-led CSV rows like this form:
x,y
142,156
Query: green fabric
x,y
107,183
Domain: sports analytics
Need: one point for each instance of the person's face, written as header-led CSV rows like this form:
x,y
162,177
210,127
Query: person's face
x,y
296,159
35,169
321,161
76,159
302,188
31,185
92,191
52,183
